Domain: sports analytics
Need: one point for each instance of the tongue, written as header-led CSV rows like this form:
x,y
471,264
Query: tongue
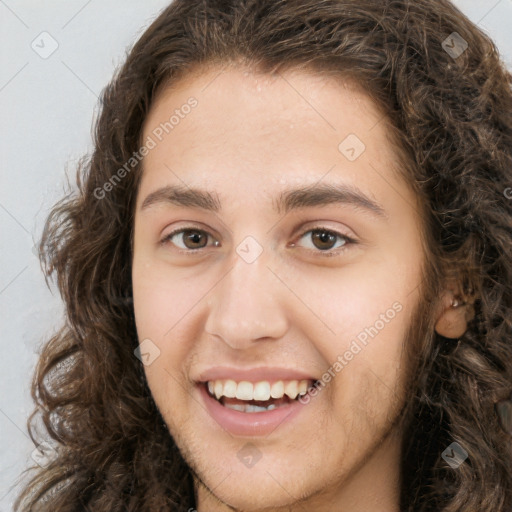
x,y
262,403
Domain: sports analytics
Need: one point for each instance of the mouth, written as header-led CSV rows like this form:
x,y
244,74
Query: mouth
x,y
246,408
249,397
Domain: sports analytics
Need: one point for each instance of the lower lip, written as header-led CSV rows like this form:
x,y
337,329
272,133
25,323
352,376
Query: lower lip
x,y
239,423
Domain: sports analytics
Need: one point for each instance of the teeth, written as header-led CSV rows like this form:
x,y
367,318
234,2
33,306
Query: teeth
x,y
277,389
230,388
249,407
236,407
291,389
303,387
244,390
263,390
219,389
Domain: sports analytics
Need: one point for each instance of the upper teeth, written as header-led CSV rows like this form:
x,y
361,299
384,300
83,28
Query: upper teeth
x,y
262,390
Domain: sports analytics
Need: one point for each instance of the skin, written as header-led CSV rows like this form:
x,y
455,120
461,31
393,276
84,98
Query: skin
x,y
250,137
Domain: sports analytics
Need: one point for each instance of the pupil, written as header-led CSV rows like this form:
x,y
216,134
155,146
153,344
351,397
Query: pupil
x,y
324,237
194,237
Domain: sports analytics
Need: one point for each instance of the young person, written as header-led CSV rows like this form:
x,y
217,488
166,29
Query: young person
x,y
287,269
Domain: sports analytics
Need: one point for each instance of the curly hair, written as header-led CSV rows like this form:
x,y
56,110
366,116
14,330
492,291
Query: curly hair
x,y
452,127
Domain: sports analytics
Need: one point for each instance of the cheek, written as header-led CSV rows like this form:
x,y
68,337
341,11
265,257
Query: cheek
x,y
161,303
359,302
367,309
161,298
166,306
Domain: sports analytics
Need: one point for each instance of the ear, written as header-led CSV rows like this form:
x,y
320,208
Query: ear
x,y
454,311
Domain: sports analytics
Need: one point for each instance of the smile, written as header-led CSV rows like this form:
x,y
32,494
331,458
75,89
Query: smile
x,y
253,408
263,390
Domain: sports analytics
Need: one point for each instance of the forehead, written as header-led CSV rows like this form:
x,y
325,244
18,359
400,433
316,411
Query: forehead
x,y
248,106
256,134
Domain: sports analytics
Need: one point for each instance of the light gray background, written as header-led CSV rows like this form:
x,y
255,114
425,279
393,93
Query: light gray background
x,y
47,108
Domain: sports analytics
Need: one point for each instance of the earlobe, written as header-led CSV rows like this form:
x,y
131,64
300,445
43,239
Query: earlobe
x,y
453,315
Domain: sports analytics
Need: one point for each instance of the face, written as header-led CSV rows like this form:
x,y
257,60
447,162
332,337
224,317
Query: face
x,y
276,246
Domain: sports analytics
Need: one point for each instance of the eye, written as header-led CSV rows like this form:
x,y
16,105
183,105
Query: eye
x,y
324,240
191,239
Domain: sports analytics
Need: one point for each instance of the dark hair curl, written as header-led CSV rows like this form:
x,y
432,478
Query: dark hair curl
x,y
451,123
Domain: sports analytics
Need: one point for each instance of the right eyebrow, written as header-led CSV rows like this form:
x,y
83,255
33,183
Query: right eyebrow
x,y
183,196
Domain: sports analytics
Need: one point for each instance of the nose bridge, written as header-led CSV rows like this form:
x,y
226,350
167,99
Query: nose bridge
x,y
245,303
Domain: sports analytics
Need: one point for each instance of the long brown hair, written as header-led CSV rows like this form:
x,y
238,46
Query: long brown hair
x,y
451,117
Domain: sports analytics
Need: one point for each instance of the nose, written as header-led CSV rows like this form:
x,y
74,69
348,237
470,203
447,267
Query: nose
x,y
247,305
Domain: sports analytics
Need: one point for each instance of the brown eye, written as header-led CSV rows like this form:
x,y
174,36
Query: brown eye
x,y
324,240
187,238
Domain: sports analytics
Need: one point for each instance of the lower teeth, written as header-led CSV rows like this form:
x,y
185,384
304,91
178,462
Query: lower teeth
x,y
249,407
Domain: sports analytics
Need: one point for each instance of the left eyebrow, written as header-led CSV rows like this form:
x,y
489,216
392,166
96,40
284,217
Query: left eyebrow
x,y
293,199
325,194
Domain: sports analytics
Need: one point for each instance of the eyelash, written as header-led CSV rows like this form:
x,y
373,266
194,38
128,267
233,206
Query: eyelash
x,y
327,253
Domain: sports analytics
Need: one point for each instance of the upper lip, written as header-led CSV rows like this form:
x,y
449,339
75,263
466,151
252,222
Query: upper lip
x,y
253,374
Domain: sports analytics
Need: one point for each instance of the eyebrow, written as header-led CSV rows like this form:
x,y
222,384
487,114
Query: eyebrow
x,y
293,199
